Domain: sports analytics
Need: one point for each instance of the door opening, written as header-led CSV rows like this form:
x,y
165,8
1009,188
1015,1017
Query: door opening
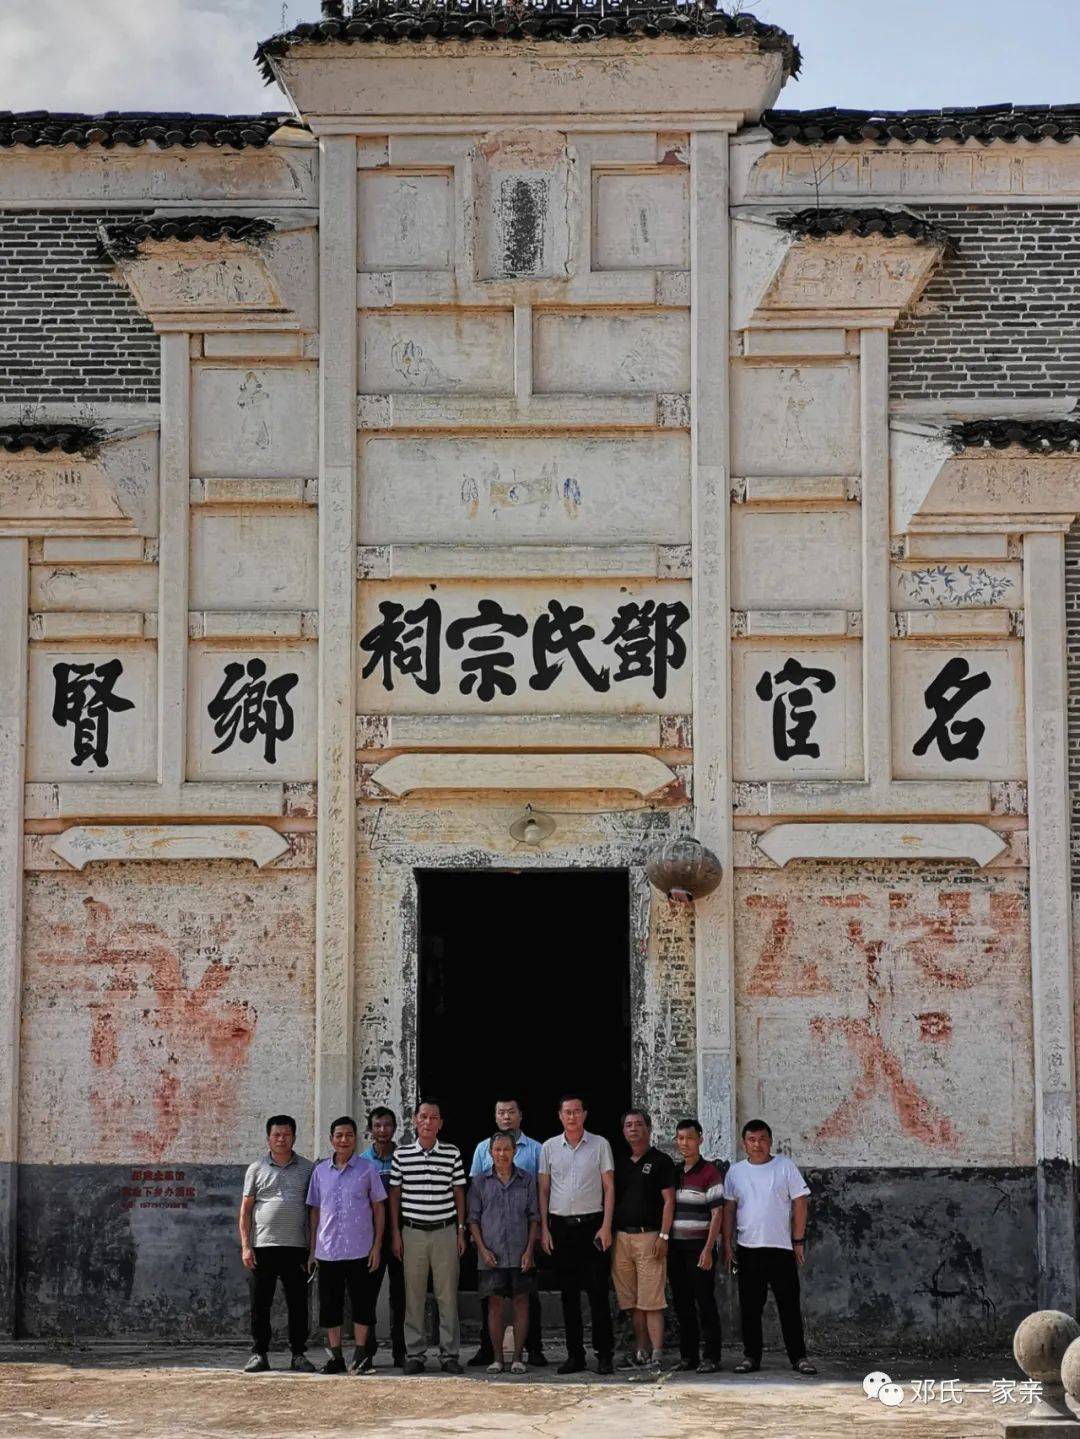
x,y
524,993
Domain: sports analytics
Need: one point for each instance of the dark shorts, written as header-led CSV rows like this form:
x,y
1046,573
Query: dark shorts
x,y
338,1276
505,1283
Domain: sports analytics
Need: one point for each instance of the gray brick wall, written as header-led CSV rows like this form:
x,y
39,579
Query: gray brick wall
x,y
71,333
1001,317
1072,644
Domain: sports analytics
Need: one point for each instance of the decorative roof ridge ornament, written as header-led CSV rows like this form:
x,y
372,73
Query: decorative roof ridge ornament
x,y
571,20
684,870
1037,436
73,439
983,124
163,128
864,221
124,241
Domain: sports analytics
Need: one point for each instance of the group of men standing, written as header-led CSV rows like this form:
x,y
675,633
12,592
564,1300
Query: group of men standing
x,y
640,1221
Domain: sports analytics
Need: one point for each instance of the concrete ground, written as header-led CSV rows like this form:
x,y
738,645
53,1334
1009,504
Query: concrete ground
x,y
150,1392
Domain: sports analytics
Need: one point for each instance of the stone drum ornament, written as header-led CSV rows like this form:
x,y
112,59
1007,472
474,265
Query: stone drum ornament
x,y
1039,1347
684,869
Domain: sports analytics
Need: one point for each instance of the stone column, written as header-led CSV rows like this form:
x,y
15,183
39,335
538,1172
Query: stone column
x,y
710,524
874,433
1046,697
335,927
173,543
13,605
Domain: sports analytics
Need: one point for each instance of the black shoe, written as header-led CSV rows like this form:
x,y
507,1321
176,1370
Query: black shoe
x,y
709,1366
398,1360
257,1364
572,1364
452,1366
684,1366
539,1360
413,1366
481,1359
605,1366
301,1364
747,1366
803,1366
362,1364
334,1365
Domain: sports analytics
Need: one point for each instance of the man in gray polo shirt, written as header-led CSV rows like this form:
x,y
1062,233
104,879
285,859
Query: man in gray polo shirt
x,y
274,1242
577,1199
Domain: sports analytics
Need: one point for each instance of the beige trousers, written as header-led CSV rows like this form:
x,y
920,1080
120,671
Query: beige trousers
x,y
434,1251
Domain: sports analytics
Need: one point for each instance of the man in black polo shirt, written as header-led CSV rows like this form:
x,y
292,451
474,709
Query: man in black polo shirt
x,y
644,1212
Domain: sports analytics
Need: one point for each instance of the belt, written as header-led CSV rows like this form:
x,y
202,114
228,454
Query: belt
x,y
426,1223
637,1229
595,1218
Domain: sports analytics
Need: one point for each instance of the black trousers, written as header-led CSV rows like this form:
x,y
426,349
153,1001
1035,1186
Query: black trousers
x,y
274,1262
392,1267
760,1270
694,1293
535,1342
579,1265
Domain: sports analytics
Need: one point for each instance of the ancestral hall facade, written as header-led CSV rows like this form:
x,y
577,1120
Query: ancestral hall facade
x,y
534,415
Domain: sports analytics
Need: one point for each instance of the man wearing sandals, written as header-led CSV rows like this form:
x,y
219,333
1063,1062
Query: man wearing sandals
x,y
504,1220
765,1234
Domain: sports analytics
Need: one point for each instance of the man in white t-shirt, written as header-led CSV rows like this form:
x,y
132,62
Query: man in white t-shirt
x,y
765,1234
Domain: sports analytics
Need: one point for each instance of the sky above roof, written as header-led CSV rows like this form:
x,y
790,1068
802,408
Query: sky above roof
x,y
196,54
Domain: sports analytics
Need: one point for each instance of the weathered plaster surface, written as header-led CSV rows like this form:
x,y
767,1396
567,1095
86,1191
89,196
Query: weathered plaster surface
x,y
884,1013
169,1005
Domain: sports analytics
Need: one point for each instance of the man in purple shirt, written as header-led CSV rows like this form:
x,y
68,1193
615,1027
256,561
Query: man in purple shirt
x,y
348,1215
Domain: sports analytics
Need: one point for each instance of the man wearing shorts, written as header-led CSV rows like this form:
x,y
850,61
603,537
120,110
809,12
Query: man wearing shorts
x,y
348,1215
644,1212
504,1220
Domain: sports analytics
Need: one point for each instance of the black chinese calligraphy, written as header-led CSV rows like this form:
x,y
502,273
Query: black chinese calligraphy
x,y
408,641
947,694
486,668
560,631
248,706
791,690
646,639
84,697
643,635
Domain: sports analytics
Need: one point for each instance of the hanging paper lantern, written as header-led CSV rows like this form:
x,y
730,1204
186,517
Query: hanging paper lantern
x,y
684,869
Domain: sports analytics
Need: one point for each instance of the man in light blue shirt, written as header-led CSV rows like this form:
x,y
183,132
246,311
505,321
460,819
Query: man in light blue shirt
x,y
508,1119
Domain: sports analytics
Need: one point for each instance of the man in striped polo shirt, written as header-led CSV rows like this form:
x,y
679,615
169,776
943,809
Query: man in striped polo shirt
x,y
427,1201
699,1200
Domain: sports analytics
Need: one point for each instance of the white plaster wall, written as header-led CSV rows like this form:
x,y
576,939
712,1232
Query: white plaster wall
x,y
254,420
405,220
611,354
792,559
795,419
257,559
408,352
495,490
641,220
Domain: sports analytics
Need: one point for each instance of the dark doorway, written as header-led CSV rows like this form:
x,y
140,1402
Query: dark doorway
x,y
524,992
